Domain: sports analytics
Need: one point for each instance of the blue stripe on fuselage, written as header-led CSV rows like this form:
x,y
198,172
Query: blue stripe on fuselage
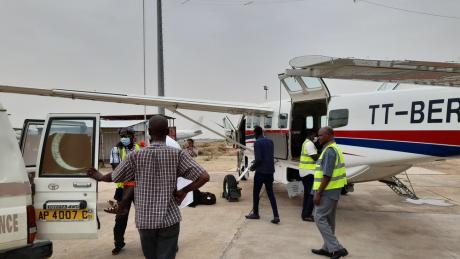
x,y
409,147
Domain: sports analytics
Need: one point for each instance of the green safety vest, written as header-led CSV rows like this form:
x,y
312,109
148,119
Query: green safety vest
x,y
339,177
122,157
306,162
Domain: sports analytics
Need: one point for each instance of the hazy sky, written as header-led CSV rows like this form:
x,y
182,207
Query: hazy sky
x,y
213,49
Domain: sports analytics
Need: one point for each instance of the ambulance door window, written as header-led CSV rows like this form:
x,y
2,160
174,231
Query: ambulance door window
x,y
31,141
68,148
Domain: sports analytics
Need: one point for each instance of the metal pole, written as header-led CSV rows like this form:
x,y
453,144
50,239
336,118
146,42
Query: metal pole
x,y
161,82
146,141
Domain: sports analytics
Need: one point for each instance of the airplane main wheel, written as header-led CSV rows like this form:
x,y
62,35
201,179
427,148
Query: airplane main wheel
x,y
231,192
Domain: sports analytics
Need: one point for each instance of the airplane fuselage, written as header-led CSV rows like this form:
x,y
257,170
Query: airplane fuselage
x,y
381,133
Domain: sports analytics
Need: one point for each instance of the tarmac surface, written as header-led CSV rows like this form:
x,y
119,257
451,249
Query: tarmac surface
x,y
372,222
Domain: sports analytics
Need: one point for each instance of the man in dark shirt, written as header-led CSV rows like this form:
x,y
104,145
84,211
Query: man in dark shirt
x,y
265,168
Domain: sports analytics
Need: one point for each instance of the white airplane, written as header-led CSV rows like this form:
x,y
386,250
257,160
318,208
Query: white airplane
x,y
189,133
381,133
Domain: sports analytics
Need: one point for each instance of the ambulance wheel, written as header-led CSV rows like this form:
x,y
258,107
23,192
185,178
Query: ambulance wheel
x,y
230,186
241,171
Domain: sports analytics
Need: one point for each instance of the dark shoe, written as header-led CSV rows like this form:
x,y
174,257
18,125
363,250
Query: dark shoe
x,y
309,219
275,220
252,216
321,252
117,249
341,253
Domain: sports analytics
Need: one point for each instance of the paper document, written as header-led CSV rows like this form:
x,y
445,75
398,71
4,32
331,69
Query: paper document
x,y
181,183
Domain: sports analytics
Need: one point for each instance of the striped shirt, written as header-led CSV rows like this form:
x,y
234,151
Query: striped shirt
x,y
155,170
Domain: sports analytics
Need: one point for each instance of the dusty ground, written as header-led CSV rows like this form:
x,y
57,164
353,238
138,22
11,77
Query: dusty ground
x,y
372,222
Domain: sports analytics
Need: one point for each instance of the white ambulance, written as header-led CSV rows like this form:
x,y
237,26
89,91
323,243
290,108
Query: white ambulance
x,y
44,192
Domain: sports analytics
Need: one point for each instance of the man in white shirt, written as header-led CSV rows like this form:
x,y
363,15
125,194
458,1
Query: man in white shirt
x,y
307,165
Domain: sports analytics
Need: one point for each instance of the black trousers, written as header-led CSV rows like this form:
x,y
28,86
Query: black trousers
x,y
267,180
307,208
160,243
121,221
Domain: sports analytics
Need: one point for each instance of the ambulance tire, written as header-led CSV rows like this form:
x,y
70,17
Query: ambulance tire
x,y
231,192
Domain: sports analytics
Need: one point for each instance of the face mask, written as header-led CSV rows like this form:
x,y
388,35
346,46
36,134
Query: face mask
x,y
125,141
315,139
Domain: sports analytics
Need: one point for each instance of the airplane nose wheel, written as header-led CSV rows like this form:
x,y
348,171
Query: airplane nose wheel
x,y
231,191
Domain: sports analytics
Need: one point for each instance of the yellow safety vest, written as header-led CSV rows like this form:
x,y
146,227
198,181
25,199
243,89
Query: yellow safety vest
x,y
122,157
339,177
306,162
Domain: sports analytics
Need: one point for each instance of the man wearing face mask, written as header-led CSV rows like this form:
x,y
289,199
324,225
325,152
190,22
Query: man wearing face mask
x,y
124,192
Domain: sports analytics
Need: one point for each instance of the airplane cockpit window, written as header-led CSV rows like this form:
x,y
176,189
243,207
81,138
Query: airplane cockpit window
x,y
31,144
268,122
282,120
292,84
338,118
68,148
312,82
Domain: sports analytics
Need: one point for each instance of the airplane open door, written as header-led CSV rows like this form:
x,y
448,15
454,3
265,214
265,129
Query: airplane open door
x,y
65,198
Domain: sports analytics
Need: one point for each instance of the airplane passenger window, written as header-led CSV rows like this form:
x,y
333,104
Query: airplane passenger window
x,y
249,122
312,82
338,118
268,122
68,148
256,121
323,120
309,122
282,120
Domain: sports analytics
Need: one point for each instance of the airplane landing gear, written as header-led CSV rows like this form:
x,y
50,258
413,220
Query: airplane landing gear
x,y
400,188
231,191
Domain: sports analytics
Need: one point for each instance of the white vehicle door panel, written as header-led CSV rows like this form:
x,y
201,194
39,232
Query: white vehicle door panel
x,y
65,198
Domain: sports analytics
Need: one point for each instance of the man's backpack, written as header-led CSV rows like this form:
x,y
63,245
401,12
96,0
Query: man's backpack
x,y
207,198
203,198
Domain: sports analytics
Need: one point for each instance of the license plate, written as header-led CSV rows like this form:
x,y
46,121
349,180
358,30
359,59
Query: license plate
x,y
64,215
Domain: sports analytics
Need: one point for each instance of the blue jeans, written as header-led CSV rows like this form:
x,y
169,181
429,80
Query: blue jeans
x,y
267,180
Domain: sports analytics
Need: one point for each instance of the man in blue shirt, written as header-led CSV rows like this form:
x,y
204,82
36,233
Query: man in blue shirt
x,y
265,168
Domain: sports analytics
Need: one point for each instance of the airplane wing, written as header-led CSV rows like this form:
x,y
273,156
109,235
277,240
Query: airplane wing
x,y
407,71
166,102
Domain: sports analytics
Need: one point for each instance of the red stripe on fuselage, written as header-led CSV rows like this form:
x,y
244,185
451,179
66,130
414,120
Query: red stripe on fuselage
x,y
446,137
250,132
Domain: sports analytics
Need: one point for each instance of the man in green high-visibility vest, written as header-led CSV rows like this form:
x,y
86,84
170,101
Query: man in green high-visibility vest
x,y
329,179
124,194
307,166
